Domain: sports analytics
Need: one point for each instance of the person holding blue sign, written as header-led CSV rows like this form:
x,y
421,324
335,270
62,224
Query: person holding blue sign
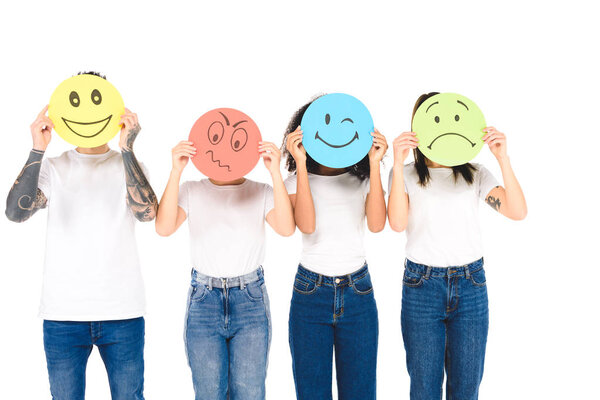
x,y
436,199
335,153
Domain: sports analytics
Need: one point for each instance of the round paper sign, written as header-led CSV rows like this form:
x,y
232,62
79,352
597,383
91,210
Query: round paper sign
x,y
337,130
86,110
449,128
226,142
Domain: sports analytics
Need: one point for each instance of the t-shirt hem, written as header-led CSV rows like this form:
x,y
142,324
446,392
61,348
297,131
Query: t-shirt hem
x,y
332,272
91,317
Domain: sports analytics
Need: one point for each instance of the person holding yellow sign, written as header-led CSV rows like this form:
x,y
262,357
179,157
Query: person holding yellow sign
x,y
93,292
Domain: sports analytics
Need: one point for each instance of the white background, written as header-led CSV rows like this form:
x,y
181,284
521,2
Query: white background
x,y
530,66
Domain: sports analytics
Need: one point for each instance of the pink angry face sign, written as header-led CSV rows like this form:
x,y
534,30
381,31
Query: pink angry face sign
x,y
226,142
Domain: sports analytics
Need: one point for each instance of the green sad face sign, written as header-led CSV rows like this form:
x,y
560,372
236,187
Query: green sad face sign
x,y
449,128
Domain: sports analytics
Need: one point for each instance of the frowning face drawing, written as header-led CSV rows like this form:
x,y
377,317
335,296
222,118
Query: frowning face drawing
x,y
227,144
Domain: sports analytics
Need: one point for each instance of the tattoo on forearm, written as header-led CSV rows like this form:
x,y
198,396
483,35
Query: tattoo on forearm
x,y
493,202
24,198
132,134
140,196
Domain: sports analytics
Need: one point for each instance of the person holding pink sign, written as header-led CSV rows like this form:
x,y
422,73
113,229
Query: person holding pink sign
x,y
227,329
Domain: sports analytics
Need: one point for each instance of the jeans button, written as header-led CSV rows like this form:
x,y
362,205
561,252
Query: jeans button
x,y
337,280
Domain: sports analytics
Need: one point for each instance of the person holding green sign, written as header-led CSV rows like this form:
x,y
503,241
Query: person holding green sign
x,y
435,199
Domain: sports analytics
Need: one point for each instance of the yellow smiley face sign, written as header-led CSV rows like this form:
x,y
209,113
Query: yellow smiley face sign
x,y
86,110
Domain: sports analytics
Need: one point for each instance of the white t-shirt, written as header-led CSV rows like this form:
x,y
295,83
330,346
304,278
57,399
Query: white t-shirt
x,y
92,271
336,246
443,221
227,225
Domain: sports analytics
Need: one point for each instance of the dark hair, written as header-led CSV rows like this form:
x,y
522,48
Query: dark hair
x,y
464,170
361,169
98,74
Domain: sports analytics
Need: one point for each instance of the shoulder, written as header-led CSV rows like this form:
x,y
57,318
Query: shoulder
x,y
193,185
290,179
258,186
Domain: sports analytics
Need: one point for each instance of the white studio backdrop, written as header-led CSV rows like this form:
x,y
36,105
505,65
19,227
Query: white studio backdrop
x,y
532,68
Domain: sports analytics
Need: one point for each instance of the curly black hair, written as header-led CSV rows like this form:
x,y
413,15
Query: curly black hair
x,y
361,169
464,170
98,74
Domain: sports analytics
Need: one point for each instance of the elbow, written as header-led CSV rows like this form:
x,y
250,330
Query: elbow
x,y
307,229
397,227
15,215
519,216
376,228
162,231
288,232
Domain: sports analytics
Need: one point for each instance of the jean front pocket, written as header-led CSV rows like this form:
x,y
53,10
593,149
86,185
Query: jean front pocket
x,y
412,278
478,278
363,284
303,285
254,290
198,292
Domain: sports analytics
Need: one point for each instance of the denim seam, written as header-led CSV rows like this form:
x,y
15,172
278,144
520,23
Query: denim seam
x,y
306,292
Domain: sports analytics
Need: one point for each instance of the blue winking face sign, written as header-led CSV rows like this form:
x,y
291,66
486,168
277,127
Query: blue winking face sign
x,y
337,130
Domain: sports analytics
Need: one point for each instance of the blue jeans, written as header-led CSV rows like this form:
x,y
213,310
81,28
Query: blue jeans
x,y
227,336
120,343
327,313
444,325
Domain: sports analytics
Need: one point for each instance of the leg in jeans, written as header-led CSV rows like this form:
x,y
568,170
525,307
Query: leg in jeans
x,y
206,343
250,333
424,333
121,346
467,336
356,335
67,346
311,339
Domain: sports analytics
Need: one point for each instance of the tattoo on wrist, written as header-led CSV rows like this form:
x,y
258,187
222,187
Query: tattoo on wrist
x,y
131,135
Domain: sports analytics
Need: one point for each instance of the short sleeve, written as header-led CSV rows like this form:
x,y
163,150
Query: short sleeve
x,y
366,186
184,197
44,181
269,202
290,184
485,181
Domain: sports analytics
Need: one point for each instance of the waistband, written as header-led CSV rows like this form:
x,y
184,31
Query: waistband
x,y
459,270
342,280
221,283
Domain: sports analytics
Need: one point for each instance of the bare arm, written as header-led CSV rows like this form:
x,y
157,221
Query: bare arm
x,y
398,201
281,217
140,196
302,201
24,198
375,204
170,216
508,200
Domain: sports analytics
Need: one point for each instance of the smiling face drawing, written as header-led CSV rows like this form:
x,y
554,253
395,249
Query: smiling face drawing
x,y
226,141
337,130
449,128
85,110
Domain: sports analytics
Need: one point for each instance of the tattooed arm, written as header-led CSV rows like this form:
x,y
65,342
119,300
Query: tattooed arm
x,y
140,196
24,198
508,200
